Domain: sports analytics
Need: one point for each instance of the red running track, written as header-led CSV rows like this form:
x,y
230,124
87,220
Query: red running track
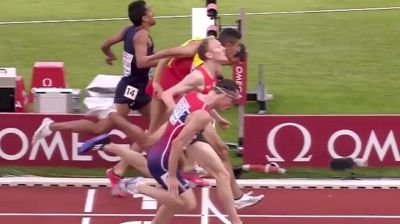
x,y
74,205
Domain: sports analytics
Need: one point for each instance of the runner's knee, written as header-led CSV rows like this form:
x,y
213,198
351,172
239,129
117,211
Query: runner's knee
x,y
224,154
190,205
99,129
135,147
222,175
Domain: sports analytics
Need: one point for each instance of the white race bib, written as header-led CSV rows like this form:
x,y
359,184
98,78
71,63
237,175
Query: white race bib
x,y
181,110
131,92
127,62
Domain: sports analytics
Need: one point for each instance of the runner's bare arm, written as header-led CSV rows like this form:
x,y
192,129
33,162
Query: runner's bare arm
x,y
215,140
166,55
140,42
158,72
192,82
159,68
222,122
114,39
196,122
188,50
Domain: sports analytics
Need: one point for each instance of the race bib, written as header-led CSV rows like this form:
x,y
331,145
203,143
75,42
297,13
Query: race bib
x,y
182,109
127,62
131,92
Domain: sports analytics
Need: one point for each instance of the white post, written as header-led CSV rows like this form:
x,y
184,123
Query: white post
x,y
241,107
200,22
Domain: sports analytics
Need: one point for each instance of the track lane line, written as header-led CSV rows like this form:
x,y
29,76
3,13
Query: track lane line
x,y
86,220
90,200
89,205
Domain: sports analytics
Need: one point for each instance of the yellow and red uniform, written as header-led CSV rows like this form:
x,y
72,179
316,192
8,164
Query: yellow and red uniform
x,y
176,70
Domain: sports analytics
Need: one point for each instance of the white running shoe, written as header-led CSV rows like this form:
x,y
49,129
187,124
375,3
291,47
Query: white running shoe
x,y
101,112
248,200
200,171
130,185
249,193
43,131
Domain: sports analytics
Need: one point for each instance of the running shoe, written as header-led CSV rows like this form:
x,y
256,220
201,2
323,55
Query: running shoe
x,y
248,200
131,185
114,182
43,131
195,179
96,143
200,170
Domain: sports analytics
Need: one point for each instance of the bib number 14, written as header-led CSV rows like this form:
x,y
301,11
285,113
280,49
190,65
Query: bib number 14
x,y
131,92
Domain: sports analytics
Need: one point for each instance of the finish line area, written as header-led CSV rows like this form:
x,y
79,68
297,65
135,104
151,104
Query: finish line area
x,y
88,201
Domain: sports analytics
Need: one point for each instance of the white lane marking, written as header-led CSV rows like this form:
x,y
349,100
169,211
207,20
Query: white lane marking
x,y
88,205
148,203
85,220
89,200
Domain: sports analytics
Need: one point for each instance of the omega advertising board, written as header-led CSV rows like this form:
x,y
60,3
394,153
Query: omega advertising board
x,y
58,149
239,75
312,141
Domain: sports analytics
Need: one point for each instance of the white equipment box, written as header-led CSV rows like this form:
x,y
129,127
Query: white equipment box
x,y
8,77
8,80
53,100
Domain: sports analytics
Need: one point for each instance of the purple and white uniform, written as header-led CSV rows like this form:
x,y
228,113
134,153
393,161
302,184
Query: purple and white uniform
x,y
158,155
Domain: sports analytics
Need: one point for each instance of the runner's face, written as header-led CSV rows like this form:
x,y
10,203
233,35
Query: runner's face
x,y
150,16
225,101
217,50
231,50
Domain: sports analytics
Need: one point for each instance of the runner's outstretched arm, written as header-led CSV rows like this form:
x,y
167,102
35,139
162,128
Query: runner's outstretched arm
x,y
188,50
222,122
190,83
114,39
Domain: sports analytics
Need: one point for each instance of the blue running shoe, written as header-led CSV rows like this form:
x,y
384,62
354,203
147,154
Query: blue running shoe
x,y
95,143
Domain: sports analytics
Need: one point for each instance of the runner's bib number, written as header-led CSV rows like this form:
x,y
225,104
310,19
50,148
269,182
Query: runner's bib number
x,y
127,63
131,92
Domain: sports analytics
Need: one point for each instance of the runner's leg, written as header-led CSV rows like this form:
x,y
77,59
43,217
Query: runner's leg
x,y
209,160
